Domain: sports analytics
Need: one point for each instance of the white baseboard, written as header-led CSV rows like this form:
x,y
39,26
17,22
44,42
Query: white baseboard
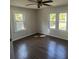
x,y
22,37
35,33
55,36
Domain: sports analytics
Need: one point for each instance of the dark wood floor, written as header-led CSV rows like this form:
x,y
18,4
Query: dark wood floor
x,y
41,48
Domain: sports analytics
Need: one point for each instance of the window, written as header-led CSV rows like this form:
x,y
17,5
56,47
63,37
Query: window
x,y
62,21
19,22
52,20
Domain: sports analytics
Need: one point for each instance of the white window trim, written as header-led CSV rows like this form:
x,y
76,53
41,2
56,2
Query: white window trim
x,y
49,22
66,22
15,20
57,22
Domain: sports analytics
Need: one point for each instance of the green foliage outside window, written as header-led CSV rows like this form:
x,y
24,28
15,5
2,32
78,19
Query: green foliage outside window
x,y
52,17
19,17
52,20
62,21
19,22
62,16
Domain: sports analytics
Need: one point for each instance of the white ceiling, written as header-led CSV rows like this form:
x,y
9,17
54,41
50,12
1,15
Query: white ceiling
x,y
23,3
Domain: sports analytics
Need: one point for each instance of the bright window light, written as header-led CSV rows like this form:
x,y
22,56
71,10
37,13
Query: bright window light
x,y
62,21
52,20
19,22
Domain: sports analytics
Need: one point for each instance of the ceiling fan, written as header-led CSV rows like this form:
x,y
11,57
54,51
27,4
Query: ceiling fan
x,y
40,3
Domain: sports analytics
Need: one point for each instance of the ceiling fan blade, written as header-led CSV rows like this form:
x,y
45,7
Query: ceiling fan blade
x,y
30,4
32,1
47,1
38,5
46,4
41,0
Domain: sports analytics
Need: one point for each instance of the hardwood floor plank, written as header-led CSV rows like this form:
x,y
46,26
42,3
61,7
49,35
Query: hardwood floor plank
x,y
41,48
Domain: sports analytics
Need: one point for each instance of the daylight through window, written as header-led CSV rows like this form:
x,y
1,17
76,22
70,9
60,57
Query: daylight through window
x,y
52,20
19,22
62,21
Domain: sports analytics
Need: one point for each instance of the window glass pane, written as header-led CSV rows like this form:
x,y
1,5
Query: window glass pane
x,y
52,24
52,17
19,17
62,16
62,25
52,20
19,26
62,21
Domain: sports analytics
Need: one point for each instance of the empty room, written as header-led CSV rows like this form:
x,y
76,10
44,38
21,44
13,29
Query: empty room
x,y
38,29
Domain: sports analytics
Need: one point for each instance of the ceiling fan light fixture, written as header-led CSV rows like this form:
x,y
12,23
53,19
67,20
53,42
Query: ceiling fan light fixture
x,y
40,3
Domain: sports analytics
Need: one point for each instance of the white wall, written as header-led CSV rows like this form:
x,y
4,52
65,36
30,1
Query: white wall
x,y
43,21
37,21
29,23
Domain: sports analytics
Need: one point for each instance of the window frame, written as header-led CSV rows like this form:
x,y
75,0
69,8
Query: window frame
x,y
52,21
57,22
19,21
66,21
